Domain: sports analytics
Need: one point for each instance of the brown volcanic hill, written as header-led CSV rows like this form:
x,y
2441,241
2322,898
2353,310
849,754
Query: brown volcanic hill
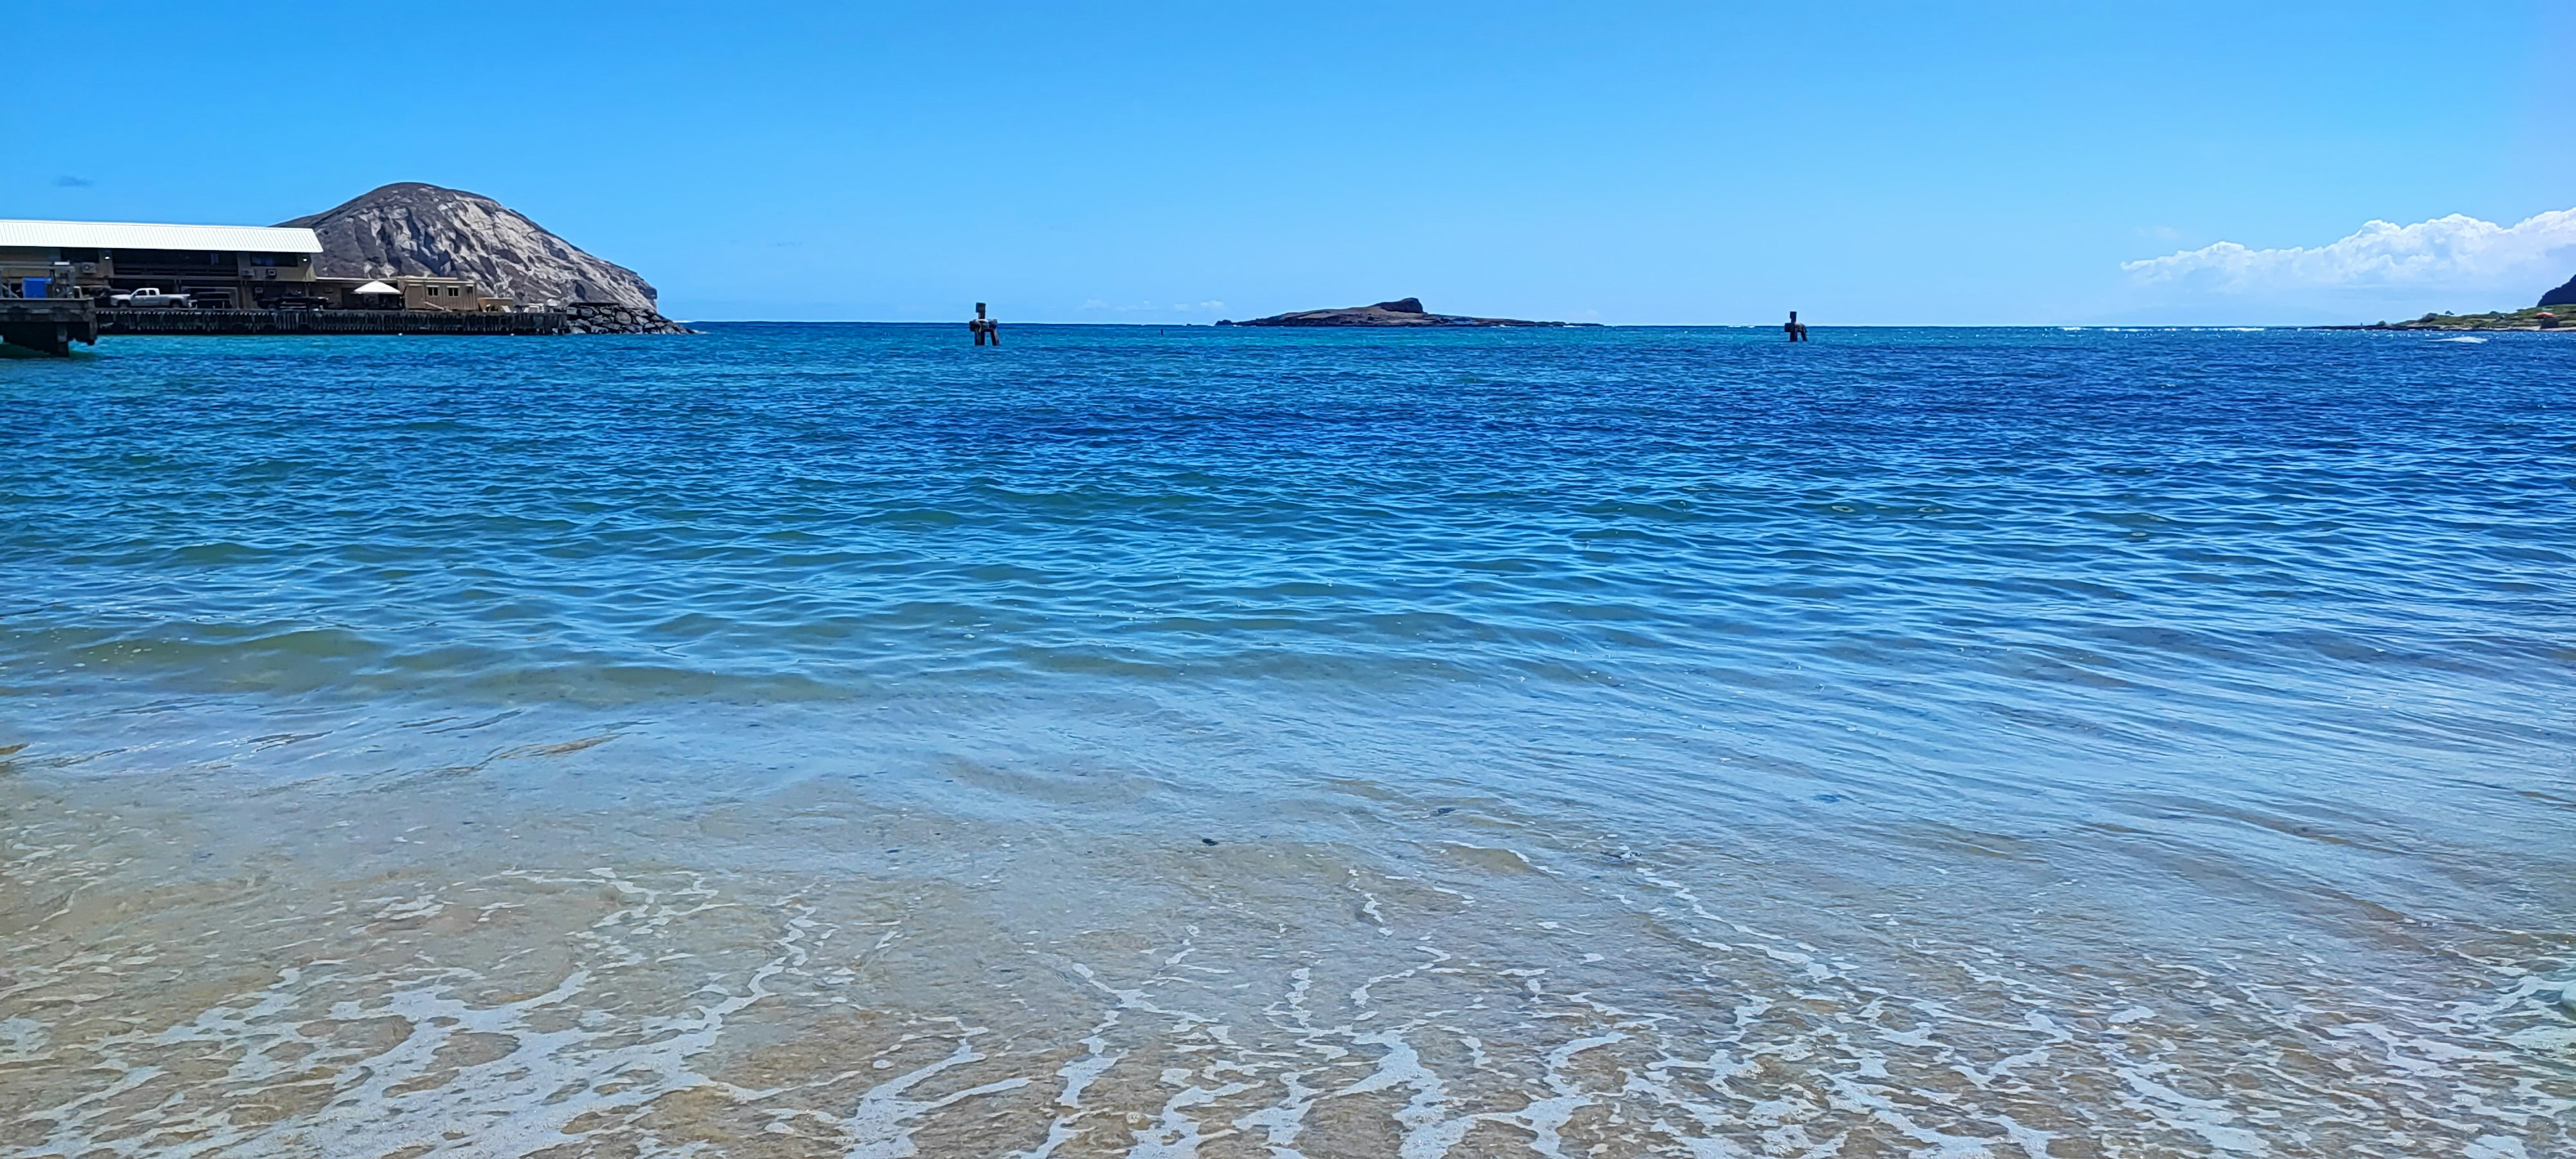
x,y
409,228
1400,312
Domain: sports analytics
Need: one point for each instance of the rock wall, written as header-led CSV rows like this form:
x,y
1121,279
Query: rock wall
x,y
619,318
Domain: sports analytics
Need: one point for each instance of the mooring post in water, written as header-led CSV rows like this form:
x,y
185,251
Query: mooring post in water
x,y
985,328
1796,329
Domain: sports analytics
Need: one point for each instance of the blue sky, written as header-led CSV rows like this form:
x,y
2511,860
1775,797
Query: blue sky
x,y
1629,163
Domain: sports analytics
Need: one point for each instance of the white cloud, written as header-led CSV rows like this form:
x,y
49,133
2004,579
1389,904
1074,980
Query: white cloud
x,y
2456,253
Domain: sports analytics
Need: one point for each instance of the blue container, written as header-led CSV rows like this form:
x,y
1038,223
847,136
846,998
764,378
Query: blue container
x,y
35,288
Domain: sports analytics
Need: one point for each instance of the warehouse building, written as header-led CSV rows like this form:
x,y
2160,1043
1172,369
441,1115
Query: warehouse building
x,y
217,265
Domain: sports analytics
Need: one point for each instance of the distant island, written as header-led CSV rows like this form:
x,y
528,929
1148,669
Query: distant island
x,y
1400,312
2556,311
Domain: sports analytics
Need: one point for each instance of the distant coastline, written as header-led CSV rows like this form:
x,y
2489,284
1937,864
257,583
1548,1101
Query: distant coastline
x,y
2556,310
2560,319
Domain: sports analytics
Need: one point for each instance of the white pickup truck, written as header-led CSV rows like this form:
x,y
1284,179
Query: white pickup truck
x,y
149,298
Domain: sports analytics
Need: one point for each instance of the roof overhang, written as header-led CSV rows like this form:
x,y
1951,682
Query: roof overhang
x,y
129,235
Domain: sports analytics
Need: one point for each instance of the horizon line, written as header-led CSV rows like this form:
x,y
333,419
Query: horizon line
x,y
1584,325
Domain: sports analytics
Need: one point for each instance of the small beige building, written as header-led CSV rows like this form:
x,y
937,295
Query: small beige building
x,y
452,294
407,292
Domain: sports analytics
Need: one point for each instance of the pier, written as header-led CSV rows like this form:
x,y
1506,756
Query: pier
x,y
48,324
296,321
51,325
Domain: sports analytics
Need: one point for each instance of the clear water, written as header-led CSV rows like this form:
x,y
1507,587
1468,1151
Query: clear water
x,y
843,740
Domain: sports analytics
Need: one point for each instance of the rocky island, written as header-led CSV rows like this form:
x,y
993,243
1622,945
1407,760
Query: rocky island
x,y
410,229
1400,312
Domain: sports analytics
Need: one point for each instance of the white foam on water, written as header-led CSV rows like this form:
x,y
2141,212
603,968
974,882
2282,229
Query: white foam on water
x,y
399,1098
882,1124
2032,1141
1176,1134
1690,1032
22,1040
1077,1075
403,1097
2210,1119
1428,1130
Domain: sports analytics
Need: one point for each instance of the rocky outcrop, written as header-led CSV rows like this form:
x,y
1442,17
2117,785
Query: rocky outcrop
x,y
2562,296
1400,312
419,230
619,318
2528,318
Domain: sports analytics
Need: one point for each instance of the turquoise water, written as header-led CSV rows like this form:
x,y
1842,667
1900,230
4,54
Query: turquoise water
x,y
2043,742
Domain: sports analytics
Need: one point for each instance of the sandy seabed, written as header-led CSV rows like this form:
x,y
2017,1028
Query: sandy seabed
x,y
403,969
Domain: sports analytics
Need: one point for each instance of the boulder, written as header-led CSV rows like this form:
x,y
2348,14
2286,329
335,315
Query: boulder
x,y
617,318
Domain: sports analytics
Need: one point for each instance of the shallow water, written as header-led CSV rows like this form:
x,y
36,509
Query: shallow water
x,y
839,740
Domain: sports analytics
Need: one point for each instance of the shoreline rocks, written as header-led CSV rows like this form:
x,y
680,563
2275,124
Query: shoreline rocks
x,y
618,318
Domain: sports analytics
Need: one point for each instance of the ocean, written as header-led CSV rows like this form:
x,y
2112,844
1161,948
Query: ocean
x,y
843,740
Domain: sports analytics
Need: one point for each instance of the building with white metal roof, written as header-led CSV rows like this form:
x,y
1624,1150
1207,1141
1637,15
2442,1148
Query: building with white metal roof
x,y
124,235
221,265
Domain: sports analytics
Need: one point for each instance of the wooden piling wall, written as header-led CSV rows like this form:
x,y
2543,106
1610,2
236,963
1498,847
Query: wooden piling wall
x,y
189,321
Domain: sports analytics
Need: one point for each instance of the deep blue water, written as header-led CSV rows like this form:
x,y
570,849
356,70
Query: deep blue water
x,y
2036,581
1918,569
2232,638
2179,536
